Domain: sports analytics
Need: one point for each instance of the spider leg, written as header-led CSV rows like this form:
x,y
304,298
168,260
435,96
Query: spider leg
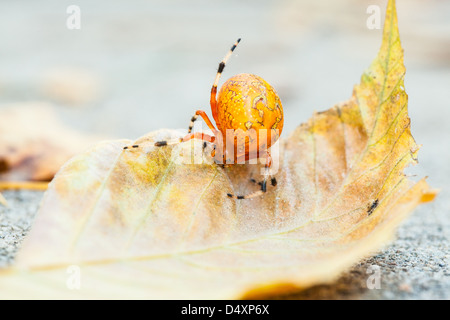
x,y
263,183
213,100
196,135
158,144
273,181
205,118
199,135
198,113
131,147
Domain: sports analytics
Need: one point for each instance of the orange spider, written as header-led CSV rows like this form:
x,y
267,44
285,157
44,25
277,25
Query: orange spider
x,y
248,113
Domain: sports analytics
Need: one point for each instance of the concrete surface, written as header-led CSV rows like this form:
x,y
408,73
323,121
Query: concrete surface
x,y
155,62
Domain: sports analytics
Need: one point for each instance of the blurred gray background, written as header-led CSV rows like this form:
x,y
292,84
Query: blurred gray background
x,y
138,66
154,61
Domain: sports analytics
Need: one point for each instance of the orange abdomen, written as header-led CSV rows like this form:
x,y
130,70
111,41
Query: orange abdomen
x,y
246,102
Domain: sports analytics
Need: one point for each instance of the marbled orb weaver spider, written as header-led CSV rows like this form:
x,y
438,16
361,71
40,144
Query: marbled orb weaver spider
x,y
246,107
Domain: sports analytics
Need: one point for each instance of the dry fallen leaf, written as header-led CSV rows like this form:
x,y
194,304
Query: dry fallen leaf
x,y
34,144
136,224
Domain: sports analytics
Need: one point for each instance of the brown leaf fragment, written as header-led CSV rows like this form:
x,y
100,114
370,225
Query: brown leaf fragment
x,y
34,143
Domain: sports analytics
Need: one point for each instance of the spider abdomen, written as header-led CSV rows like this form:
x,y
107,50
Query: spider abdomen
x,y
246,102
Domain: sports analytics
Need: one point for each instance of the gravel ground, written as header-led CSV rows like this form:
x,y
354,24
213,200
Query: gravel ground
x,y
15,221
415,266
